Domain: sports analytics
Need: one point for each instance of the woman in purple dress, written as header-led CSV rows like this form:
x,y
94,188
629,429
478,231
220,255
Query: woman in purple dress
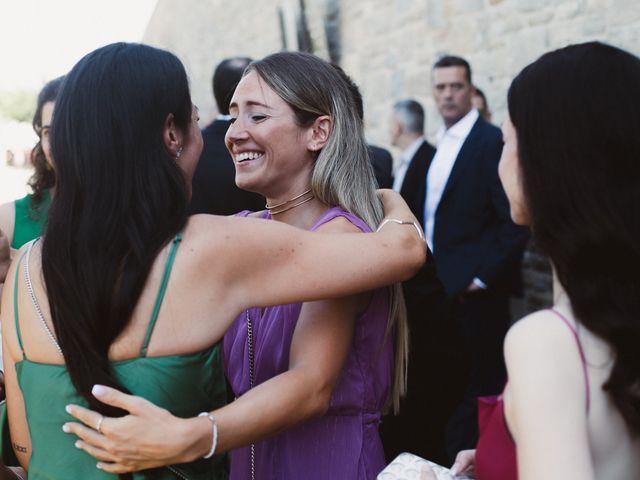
x,y
311,379
324,370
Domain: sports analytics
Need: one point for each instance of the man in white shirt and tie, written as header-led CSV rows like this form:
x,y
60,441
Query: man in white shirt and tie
x,y
476,246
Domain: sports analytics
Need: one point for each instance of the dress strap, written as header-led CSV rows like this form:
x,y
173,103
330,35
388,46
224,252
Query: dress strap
x,y
26,256
336,212
15,304
583,358
34,300
161,291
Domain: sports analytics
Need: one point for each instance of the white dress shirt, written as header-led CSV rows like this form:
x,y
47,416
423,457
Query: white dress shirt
x,y
448,146
404,162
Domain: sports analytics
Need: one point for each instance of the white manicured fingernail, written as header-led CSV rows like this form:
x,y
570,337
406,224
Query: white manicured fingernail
x,y
98,390
65,428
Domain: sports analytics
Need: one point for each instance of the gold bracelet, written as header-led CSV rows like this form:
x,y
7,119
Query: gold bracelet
x,y
402,222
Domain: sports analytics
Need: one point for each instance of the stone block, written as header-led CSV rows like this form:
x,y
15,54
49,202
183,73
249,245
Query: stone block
x,y
594,25
541,17
529,5
527,45
568,10
467,6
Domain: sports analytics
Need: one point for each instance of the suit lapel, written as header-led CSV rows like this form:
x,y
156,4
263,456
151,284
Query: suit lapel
x,y
414,186
417,170
465,156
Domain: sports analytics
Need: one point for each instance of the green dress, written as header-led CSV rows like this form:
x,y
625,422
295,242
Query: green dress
x,y
183,384
29,218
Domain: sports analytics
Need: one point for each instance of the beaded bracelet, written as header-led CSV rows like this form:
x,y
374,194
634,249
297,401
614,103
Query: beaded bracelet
x,y
214,433
402,222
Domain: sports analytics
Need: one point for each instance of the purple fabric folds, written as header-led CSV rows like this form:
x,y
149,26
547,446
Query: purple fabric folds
x,y
344,443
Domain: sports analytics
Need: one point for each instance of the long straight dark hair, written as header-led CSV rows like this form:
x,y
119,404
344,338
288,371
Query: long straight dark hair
x,y
120,197
576,114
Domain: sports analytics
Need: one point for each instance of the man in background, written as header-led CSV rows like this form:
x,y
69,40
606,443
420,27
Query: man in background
x,y
479,100
407,133
476,246
214,188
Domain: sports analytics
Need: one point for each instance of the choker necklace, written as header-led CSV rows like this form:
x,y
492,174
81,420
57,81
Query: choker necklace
x,y
286,205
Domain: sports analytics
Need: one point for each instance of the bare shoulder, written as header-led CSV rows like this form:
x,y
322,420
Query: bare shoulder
x,y
539,328
540,343
338,225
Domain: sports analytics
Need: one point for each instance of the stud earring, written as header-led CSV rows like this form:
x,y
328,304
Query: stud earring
x,y
178,153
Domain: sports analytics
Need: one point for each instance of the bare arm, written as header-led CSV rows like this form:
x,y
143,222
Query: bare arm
x,y
545,402
151,437
319,348
20,438
269,260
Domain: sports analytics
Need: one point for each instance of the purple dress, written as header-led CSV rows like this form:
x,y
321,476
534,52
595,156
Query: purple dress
x,y
342,444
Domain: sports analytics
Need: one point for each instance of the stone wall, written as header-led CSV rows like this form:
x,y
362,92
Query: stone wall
x,y
388,47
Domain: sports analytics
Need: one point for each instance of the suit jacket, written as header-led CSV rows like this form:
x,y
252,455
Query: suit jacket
x,y
382,165
414,178
424,293
214,188
473,232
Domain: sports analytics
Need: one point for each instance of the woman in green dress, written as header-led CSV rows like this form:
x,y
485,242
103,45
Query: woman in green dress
x,y
125,290
23,220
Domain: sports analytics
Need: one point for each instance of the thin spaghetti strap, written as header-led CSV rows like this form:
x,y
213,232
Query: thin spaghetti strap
x,y
15,304
161,291
583,358
34,300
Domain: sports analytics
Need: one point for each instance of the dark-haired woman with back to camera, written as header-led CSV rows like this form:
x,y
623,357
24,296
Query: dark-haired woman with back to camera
x,y
570,167
125,290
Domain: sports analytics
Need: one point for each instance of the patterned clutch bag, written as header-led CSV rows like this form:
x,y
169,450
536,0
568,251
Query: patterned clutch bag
x,y
407,466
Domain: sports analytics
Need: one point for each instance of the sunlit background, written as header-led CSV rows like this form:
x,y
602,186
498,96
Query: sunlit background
x,y
41,40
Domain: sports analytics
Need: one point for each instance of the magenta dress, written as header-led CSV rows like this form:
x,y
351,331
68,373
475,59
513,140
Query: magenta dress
x,y
344,443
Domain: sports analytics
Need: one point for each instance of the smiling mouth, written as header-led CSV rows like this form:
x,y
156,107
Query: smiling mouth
x,y
244,156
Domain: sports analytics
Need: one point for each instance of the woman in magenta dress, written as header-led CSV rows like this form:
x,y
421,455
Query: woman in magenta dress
x,y
570,167
324,369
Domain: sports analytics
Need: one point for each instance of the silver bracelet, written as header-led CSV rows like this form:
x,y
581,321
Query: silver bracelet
x,y
402,222
214,433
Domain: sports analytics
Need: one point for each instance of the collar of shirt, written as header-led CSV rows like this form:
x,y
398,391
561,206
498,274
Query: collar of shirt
x,y
223,117
461,128
410,151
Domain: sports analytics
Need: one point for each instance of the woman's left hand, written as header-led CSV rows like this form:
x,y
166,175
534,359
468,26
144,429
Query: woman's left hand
x,y
147,437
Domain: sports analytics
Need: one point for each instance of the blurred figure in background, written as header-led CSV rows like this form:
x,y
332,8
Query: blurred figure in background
x,y
23,220
480,103
380,158
476,246
214,185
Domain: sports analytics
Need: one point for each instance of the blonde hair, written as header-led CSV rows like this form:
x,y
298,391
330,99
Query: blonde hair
x,y
342,174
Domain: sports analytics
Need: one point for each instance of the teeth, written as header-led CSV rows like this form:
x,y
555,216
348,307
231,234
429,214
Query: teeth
x,y
247,156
